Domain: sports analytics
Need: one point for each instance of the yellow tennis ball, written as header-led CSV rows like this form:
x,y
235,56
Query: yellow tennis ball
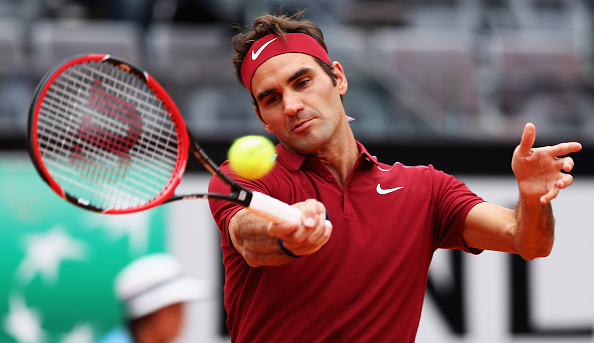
x,y
252,157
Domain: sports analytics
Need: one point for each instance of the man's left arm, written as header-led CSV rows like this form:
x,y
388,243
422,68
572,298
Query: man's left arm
x,y
528,229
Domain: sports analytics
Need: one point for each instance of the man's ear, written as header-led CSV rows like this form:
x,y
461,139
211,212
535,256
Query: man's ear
x,y
341,80
262,120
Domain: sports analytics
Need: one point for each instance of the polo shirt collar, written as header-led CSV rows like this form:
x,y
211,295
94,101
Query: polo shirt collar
x,y
295,160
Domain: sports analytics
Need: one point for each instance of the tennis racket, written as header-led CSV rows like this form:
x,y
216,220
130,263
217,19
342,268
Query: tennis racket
x,y
107,137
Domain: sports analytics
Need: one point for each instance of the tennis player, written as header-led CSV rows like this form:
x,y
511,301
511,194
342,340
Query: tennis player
x,y
363,278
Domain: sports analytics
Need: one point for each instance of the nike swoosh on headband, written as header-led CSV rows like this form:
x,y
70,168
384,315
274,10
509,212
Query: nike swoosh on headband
x,y
386,191
257,53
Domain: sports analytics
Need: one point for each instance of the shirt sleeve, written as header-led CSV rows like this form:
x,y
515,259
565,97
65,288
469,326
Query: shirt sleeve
x,y
454,200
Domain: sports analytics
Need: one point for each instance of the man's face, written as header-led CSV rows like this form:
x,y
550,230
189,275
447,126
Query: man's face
x,y
167,322
298,101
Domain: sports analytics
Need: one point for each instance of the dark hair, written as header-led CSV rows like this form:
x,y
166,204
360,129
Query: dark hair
x,y
277,24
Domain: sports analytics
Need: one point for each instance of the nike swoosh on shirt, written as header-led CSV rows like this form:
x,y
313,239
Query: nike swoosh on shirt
x,y
382,191
257,53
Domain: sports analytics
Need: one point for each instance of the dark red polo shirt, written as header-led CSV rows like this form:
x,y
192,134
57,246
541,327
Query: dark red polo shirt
x,y
367,283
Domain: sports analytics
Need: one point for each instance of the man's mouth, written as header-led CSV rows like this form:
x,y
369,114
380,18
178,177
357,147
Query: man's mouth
x,y
299,126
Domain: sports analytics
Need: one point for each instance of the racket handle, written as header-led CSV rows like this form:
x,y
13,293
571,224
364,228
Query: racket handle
x,y
273,209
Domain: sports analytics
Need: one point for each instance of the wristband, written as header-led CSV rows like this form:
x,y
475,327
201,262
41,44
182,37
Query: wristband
x,y
285,250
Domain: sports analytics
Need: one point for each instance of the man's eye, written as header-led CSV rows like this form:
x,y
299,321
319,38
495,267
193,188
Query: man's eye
x,y
272,99
302,83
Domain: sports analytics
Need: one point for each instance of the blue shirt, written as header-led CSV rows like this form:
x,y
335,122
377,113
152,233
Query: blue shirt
x,y
117,335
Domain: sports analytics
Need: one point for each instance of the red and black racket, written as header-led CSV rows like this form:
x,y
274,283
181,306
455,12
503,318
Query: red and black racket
x,y
107,137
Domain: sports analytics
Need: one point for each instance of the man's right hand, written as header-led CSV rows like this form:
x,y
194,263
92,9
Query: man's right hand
x,y
308,237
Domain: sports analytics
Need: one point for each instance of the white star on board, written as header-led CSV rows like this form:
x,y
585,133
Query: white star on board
x,y
45,252
23,323
134,225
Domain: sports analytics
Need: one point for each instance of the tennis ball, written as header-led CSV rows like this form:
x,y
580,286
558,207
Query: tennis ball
x,y
252,157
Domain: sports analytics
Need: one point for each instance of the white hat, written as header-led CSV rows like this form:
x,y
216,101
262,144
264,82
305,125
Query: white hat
x,y
153,282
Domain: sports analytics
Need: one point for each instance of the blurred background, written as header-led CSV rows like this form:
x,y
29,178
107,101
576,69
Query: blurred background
x,y
446,82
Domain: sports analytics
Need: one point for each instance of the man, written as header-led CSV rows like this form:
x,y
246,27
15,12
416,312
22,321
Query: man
x,y
363,278
153,292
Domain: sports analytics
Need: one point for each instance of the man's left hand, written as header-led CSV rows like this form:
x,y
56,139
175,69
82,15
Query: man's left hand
x,y
542,172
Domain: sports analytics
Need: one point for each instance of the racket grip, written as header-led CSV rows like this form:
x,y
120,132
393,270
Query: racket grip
x,y
273,209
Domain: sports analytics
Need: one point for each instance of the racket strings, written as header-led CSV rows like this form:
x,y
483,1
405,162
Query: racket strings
x,y
106,137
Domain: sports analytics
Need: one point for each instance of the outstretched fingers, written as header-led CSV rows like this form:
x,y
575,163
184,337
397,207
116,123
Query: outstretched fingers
x,y
542,172
564,180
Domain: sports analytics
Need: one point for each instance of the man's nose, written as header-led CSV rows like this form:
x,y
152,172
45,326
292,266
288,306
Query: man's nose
x,y
292,103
